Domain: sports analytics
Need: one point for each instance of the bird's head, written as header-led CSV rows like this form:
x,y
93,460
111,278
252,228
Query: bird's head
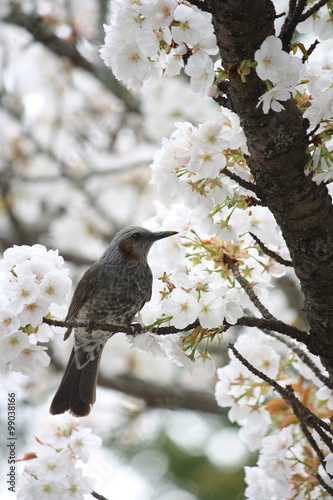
x,y
134,242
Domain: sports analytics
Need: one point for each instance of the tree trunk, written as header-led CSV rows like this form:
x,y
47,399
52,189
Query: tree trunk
x,y
277,143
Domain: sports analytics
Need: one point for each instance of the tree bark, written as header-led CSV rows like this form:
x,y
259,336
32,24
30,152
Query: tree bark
x,y
277,143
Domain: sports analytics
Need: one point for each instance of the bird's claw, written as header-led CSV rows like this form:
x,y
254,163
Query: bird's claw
x,y
136,329
92,325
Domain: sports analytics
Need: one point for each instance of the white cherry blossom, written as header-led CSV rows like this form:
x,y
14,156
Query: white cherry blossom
x,y
271,99
55,472
211,312
182,306
11,345
272,60
83,441
201,70
29,359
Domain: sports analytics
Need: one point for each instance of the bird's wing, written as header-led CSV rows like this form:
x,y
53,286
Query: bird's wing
x,y
84,288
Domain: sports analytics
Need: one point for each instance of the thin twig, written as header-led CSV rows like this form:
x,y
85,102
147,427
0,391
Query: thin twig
x,y
280,15
321,481
313,9
304,415
98,496
249,291
318,427
313,131
270,253
77,182
310,50
242,182
302,412
303,356
320,455
313,443
307,418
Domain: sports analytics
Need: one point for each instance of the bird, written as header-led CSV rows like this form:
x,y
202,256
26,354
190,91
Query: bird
x,y
113,290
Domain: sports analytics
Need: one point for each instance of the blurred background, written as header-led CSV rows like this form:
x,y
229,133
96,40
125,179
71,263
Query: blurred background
x,y
75,149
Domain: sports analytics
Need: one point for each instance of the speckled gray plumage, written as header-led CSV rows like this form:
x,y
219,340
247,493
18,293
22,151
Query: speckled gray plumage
x,y
112,290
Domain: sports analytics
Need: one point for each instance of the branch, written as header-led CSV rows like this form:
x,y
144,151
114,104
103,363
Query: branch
x,y
303,357
270,253
78,260
242,182
41,32
107,327
320,455
321,481
313,9
249,291
119,165
275,325
98,496
292,6
291,21
264,324
302,412
309,52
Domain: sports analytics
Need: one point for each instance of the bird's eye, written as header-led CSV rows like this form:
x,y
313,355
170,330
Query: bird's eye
x,y
136,236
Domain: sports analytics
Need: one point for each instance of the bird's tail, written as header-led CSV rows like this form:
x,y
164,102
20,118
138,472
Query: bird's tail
x,y
77,390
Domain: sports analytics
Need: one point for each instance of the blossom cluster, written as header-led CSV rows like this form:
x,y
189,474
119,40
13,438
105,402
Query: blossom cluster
x,y
244,392
194,164
33,285
149,38
53,469
268,424
283,468
195,282
194,154
191,164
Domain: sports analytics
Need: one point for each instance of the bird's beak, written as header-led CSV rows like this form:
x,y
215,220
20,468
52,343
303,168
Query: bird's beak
x,y
163,234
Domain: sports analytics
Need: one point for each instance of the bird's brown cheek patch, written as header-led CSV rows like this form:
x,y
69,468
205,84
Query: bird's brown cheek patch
x,y
126,248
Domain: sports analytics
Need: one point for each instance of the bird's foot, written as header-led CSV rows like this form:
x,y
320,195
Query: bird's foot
x,y
136,329
91,325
